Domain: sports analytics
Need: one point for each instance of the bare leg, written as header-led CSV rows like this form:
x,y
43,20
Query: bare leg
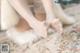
x,y
20,32
22,8
55,23
58,11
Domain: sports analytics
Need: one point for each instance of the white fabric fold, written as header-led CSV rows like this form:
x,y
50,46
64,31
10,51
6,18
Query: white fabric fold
x,y
9,17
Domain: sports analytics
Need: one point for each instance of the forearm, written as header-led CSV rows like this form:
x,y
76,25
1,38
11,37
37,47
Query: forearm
x,y
48,6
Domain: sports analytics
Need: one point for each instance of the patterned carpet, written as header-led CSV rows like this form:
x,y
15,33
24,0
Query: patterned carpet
x,y
69,42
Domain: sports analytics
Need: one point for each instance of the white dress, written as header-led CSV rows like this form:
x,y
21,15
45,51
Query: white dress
x,y
9,17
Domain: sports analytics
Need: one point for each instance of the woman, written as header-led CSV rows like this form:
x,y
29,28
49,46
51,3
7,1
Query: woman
x,y
24,28
19,32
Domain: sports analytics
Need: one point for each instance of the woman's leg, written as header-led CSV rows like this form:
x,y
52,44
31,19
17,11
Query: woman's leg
x,y
58,11
22,8
20,32
55,23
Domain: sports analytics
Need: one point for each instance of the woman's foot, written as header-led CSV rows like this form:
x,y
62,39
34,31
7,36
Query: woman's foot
x,y
66,19
58,11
